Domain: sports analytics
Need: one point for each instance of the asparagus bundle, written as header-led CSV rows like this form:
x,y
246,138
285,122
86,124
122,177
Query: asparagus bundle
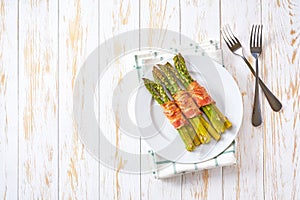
x,y
200,96
173,113
183,100
168,68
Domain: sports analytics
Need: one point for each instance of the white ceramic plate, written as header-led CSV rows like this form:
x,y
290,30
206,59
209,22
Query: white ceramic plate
x,y
164,139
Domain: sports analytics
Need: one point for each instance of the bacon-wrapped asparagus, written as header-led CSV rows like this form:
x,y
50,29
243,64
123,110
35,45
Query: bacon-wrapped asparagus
x,y
173,72
212,131
183,100
173,113
200,96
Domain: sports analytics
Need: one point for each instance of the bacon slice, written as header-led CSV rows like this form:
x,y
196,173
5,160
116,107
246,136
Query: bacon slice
x,y
186,104
199,94
173,113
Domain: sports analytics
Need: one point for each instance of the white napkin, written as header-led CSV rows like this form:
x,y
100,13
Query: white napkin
x,y
165,168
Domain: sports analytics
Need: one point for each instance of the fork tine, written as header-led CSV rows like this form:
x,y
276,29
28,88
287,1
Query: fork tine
x,y
225,39
256,35
228,33
261,28
224,34
232,35
251,36
229,37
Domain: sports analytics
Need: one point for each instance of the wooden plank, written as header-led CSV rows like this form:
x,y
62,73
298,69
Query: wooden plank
x,y
38,119
281,72
78,37
245,180
116,18
200,22
8,100
159,15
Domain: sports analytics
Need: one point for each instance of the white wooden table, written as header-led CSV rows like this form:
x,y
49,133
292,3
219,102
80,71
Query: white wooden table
x,y
43,45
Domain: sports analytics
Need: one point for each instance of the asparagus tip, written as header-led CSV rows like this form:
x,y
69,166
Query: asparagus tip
x,y
146,81
179,55
168,64
155,68
161,67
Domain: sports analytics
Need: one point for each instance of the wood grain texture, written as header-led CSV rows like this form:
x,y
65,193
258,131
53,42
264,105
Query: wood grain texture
x,y
159,15
41,155
238,181
281,72
117,17
8,100
38,122
200,22
78,37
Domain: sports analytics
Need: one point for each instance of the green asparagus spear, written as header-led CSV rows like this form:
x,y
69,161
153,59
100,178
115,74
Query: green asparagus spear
x,y
182,79
185,136
227,124
160,78
169,81
160,96
158,93
186,82
210,129
217,119
181,68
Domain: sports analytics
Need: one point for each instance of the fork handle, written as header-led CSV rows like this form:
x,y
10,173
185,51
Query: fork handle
x,y
273,101
256,114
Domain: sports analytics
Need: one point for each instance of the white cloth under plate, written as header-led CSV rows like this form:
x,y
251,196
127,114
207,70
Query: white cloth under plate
x,y
165,168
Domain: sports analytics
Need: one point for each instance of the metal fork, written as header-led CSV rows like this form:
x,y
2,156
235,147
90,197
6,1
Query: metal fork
x,y
255,49
235,46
